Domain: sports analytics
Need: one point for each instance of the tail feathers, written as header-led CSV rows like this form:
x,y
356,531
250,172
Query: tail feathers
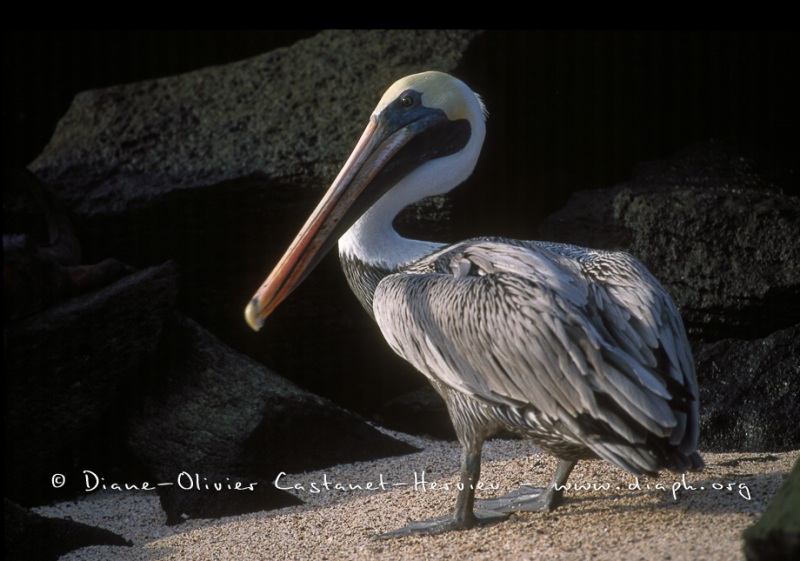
x,y
640,460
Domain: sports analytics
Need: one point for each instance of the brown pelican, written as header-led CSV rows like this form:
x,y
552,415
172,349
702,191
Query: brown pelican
x,y
581,351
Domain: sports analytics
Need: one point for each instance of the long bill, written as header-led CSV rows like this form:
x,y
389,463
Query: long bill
x,y
375,148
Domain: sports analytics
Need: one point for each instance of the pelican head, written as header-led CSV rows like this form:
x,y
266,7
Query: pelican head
x,y
423,139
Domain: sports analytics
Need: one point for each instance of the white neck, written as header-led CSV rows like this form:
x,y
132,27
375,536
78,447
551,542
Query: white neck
x,y
373,239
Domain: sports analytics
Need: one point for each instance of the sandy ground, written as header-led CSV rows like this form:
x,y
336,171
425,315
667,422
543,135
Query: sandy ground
x,y
608,517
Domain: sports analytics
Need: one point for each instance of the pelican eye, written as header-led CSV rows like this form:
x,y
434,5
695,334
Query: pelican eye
x,y
408,100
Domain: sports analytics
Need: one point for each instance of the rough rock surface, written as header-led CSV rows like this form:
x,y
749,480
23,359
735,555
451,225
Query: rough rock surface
x,y
713,225
289,116
750,393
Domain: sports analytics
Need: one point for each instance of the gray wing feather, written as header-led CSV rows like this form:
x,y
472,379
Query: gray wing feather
x,y
564,329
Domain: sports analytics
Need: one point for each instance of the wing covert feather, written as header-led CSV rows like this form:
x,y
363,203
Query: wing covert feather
x,y
529,323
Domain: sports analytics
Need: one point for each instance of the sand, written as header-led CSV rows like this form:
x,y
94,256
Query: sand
x,y
612,515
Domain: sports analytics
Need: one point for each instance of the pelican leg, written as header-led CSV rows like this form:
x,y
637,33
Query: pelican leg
x,y
464,516
532,499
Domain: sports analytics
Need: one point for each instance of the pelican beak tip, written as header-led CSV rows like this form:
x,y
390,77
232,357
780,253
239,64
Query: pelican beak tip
x,y
252,316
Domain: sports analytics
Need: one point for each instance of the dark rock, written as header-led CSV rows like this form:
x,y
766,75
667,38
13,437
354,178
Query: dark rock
x,y
30,537
749,393
64,369
776,534
218,168
219,414
290,116
714,227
